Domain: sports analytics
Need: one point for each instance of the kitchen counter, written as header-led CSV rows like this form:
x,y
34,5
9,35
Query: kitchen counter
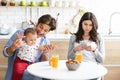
x,y
65,37
50,36
5,36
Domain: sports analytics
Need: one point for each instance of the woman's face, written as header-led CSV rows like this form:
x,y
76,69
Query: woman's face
x,y
42,29
87,26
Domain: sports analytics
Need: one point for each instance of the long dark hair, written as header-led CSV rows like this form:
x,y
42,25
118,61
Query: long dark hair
x,y
93,33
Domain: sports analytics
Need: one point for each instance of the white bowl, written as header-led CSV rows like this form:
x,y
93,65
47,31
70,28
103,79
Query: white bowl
x,y
73,66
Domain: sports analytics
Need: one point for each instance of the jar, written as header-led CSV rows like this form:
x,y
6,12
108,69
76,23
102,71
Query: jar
x,y
12,3
3,2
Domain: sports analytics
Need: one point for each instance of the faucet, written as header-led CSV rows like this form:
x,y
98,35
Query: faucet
x,y
110,30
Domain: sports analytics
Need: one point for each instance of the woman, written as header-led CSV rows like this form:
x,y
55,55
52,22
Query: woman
x,y
45,24
87,40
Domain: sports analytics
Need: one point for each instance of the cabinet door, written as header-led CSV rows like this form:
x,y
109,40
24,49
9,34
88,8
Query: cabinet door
x,y
61,49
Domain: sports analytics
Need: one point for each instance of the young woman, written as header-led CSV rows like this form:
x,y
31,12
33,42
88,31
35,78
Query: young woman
x,y
87,40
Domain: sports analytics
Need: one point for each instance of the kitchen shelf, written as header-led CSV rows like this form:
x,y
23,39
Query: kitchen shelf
x,y
36,7
20,6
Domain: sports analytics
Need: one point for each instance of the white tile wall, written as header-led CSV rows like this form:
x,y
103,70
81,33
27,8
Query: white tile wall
x,y
14,16
102,9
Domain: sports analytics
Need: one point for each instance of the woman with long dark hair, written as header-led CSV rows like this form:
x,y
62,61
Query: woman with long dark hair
x,y
87,41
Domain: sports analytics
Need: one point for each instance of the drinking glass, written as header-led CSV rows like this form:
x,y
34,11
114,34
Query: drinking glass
x,y
54,61
79,57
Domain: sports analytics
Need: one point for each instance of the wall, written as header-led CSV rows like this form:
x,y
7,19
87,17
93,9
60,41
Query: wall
x,y
14,16
103,10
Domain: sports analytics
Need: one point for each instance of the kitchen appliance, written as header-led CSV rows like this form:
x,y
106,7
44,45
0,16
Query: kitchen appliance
x,y
4,29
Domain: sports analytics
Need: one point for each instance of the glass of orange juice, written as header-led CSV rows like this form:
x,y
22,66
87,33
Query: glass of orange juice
x,y
54,61
78,57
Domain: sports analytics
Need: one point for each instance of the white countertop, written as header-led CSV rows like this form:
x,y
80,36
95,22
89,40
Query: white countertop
x,y
64,37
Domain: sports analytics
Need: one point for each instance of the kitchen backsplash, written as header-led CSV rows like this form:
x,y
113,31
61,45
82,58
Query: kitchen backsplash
x,y
67,10
14,16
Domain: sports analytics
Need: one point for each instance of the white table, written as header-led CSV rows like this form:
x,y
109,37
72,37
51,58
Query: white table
x,y
87,70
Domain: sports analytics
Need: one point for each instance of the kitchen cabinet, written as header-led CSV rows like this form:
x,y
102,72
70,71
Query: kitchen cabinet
x,y
112,59
61,48
3,60
112,52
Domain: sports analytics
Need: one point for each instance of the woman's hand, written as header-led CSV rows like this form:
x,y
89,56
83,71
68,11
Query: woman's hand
x,y
78,48
90,48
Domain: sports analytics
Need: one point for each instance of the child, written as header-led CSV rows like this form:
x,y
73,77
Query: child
x,y
28,52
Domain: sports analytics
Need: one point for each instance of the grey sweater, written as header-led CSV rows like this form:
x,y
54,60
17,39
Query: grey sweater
x,y
97,56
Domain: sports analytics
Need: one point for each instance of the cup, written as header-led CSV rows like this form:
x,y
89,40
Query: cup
x,y
79,57
54,61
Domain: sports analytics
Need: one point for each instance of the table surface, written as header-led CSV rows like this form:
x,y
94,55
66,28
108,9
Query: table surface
x,y
86,70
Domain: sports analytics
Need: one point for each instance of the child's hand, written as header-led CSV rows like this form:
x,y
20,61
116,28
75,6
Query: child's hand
x,y
48,48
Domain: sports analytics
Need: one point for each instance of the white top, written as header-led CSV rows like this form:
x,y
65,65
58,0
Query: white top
x,y
87,55
86,70
27,52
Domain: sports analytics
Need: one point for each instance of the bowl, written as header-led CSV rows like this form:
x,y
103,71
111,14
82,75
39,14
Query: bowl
x,y
72,65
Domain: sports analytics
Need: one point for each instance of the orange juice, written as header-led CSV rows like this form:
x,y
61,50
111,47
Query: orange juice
x,y
78,57
54,61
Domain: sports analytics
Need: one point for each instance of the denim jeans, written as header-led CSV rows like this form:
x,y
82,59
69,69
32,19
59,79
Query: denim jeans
x,y
45,79
27,76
